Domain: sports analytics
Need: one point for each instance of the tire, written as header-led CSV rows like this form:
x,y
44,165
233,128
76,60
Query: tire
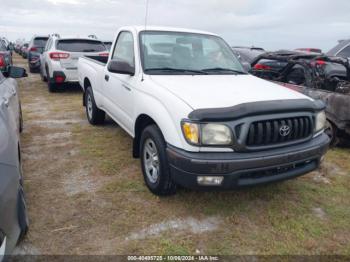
x,y
95,115
23,220
332,131
22,214
43,78
51,86
20,119
32,70
154,162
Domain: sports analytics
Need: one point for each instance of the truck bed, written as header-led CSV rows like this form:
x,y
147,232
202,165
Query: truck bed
x,y
101,59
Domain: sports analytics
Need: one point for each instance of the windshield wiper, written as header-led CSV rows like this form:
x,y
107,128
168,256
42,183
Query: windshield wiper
x,y
221,69
179,70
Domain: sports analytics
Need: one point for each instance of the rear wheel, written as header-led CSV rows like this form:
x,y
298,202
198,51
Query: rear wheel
x,y
95,115
154,162
51,86
43,78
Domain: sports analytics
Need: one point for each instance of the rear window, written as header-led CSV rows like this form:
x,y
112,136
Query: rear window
x,y
2,46
77,45
40,41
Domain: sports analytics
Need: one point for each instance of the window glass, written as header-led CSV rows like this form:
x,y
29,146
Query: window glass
x,y
186,51
80,45
345,52
124,48
40,41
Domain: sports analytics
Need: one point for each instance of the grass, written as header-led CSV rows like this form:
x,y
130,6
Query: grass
x,y
274,219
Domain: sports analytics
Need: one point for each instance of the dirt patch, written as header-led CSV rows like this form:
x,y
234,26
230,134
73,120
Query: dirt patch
x,y
190,224
319,213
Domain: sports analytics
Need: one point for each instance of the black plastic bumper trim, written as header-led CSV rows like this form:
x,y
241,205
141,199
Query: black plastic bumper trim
x,y
187,166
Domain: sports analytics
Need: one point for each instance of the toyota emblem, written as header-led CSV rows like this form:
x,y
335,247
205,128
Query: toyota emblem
x,y
285,130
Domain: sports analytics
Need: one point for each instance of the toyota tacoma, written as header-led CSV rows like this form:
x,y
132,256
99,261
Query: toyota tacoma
x,y
197,118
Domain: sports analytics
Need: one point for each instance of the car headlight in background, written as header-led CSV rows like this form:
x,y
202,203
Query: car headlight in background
x,y
209,134
320,121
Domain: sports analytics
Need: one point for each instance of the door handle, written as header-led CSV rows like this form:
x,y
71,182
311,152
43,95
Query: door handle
x,y
107,78
126,87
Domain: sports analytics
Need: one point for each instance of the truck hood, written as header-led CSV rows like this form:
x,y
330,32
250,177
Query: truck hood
x,y
217,91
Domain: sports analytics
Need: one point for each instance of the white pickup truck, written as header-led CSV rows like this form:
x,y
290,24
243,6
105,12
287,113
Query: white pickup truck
x,y
196,117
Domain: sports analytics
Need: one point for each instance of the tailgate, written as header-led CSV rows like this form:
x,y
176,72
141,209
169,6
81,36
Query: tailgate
x,y
71,63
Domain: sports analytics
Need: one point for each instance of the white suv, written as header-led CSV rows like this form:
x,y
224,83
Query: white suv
x,y
60,58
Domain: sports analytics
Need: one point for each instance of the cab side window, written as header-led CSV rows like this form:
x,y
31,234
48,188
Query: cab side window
x,y
124,48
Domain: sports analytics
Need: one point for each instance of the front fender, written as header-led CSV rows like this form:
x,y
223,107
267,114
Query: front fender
x,y
167,115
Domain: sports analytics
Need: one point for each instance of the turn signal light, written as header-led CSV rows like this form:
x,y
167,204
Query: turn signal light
x,y
191,132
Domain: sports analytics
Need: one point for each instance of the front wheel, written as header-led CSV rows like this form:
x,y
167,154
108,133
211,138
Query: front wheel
x,y
332,131
95,115
154,162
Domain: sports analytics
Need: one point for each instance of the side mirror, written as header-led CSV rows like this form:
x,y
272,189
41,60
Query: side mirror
x,y
246,66
17,72
121,67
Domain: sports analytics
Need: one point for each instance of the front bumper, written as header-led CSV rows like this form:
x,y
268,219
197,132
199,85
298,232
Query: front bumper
x,y
249,168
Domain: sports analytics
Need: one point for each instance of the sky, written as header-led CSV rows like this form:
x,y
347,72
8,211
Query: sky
x,y
271,24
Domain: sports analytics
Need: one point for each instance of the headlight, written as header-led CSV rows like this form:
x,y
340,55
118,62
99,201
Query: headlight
x,y
216,134
320,121
207,134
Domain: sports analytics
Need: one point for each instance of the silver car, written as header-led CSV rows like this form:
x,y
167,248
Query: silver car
x,y
13,215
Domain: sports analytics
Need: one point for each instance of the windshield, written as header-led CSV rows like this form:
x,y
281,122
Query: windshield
x,y
108,45
80,45
40,41
186,53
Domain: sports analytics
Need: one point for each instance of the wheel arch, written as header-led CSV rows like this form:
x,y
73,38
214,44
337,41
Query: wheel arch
x,y
141,123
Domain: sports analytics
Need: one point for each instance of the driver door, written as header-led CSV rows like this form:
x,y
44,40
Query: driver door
x,y
118,87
